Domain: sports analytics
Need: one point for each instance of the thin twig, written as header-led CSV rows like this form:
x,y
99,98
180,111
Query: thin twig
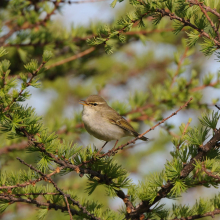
x,y
179,65
31,194
210,173
11,199
204,86
74,57
68,207
217,107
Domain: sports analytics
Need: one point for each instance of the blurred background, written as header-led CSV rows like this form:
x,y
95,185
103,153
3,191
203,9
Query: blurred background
x,y
144,80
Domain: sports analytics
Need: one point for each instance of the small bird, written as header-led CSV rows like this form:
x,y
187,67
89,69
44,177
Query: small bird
x,y
103,122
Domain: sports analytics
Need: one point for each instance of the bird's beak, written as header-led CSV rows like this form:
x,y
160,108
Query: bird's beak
x,y
82,102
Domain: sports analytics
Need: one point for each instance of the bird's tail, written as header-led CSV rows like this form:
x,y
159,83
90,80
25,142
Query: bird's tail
x,y
143,138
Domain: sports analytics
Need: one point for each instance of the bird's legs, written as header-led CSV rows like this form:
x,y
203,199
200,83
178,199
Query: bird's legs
x,y
101,148
115,145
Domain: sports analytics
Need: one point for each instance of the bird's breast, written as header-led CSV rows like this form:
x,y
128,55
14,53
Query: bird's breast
x,y
100,127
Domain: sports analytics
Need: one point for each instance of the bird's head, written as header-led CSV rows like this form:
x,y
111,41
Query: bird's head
x,y
94,102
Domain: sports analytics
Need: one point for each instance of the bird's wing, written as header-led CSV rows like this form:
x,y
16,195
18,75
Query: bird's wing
x,y
121,122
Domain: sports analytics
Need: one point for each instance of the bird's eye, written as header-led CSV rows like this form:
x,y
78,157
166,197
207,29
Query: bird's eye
x,y
95,104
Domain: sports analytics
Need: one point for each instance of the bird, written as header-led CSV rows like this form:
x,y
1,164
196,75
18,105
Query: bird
x,y
104,123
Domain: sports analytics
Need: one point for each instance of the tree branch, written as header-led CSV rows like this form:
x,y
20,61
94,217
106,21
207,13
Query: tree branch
x,y
74,57
144,206
11,199
212,214
209,19
46,177
207,8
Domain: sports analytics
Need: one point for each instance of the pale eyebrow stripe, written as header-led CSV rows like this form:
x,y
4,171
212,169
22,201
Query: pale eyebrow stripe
x,y
97,102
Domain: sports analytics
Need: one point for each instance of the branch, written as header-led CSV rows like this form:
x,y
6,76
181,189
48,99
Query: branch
x,y
212,214
61,192
81,54
27,85
144,206
14,147
210,173
11,199
207,8
179,65
32,182
209,19
29,26
78,2
204,86
186,23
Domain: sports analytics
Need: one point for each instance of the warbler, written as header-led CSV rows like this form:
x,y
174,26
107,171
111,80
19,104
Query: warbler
x,y
103,122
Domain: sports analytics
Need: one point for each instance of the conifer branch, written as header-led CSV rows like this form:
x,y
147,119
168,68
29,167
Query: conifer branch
x,y
210,173
213,84
212,214
207,8
12,199
74,202
27,84
32,182
32,194
29,26
172,16
208,18
66,164
144,206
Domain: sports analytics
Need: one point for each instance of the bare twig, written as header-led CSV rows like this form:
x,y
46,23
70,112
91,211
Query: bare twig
x,y
14,147
74,57
179,65
217,107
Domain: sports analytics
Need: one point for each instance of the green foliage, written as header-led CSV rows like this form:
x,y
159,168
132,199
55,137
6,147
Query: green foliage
x,y
210,122
32,66
196,136
47,55
3,51
153,86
